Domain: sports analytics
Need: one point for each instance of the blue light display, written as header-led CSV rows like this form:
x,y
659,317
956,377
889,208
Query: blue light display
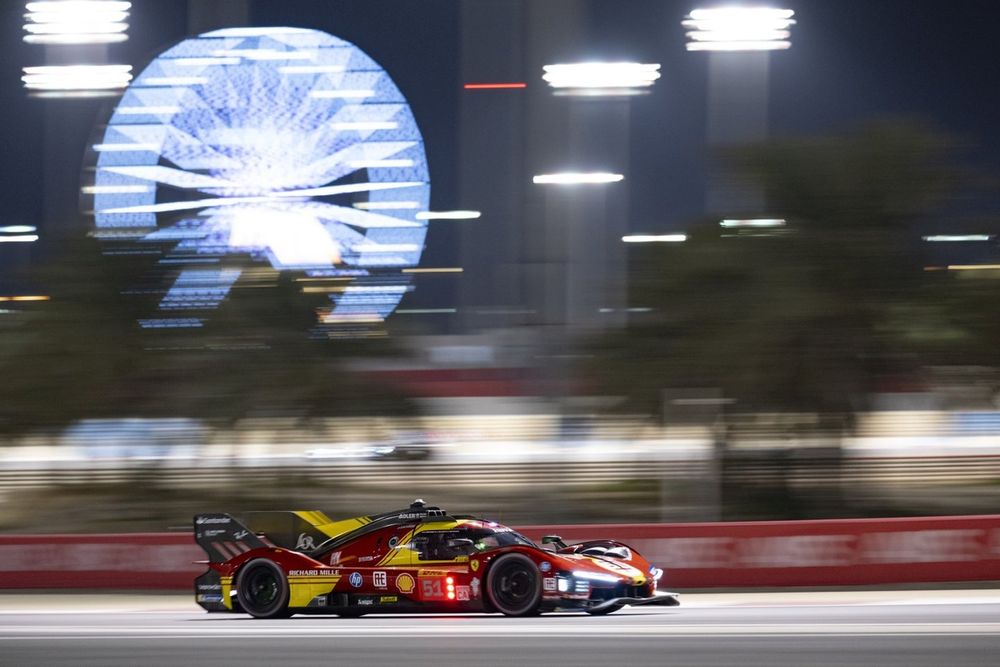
x,y
285,144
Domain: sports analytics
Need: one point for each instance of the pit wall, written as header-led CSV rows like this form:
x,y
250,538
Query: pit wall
x,y
854,552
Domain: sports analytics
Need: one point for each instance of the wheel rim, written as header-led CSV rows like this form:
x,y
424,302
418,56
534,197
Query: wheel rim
x,y
262,588
514,585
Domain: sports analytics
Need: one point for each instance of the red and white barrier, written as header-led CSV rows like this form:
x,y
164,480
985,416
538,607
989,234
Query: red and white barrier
x,y
130,560
850,552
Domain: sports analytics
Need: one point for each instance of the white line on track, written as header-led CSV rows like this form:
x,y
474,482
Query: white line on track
x,y
616,630
680,635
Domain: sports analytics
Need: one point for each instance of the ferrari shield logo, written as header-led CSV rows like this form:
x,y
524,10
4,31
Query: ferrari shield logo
x,y
474,565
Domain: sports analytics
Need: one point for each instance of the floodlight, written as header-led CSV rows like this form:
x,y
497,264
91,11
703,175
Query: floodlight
x,y
76,22
577,178
598,78
957,238
448,215
655,238
753,222
739,29
77,78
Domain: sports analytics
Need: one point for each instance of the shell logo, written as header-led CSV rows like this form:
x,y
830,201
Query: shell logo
x,y
405,583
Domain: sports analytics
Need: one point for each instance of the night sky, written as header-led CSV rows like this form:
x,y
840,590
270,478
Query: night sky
x,y
851,61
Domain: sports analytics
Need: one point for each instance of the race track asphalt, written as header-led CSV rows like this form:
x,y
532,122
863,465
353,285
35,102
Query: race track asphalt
x,y
900,628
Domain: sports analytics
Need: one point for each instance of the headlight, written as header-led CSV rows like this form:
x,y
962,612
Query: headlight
x,y
595,576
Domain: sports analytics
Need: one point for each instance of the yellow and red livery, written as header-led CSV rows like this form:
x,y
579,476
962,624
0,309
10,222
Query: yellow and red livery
x,y
420,558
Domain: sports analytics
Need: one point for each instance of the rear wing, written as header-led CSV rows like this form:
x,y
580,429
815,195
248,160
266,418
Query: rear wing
x,y
222,537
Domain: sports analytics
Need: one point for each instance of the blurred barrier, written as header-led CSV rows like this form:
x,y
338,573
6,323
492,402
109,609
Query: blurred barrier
x,y
848,552
753,466
376,473
130,560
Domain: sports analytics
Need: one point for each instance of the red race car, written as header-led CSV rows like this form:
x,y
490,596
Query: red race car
x,y
275,564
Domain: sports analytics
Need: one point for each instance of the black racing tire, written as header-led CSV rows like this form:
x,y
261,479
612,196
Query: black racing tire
x,y
514,585
262,589
604,612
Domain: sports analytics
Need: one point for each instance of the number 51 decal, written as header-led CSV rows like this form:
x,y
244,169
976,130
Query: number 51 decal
x,y
431,588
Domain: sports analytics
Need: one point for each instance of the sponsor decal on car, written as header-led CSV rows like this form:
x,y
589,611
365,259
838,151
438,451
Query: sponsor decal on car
x,y
393,541
549,583
462,593
432,573
212,519
474,565
305,543
241,534
365,602
545,566
306,573
388,599
405,583
355,579
379,579
474,585
365,559
334,558
431,589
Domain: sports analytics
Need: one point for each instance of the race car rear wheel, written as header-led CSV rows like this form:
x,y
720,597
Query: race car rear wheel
x,y
262,589
514,585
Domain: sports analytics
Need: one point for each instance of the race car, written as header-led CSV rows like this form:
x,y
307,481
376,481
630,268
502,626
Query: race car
x,y
417,559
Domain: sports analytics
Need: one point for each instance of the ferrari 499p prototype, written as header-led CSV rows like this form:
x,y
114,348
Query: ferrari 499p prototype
x,y
275,564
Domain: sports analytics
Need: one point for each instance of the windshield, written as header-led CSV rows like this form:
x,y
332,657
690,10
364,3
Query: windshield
x,y
487,539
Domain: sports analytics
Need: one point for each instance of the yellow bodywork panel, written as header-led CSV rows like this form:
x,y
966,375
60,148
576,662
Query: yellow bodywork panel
x,y
227,586
303,589
329,527
402,556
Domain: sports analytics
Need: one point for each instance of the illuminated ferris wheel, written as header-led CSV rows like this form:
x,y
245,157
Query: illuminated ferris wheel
x,y
285,144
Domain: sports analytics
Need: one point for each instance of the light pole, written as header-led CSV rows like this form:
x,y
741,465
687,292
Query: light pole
x,y
739,41
586,285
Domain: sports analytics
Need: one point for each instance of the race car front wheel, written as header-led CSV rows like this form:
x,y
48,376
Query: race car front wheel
x,y
262,589
514,585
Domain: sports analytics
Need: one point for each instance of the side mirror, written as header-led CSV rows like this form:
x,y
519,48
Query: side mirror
x,y
554,539
462,545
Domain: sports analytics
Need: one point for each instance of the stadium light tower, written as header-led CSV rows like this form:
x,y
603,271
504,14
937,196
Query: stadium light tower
x,y
739,40
584,288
